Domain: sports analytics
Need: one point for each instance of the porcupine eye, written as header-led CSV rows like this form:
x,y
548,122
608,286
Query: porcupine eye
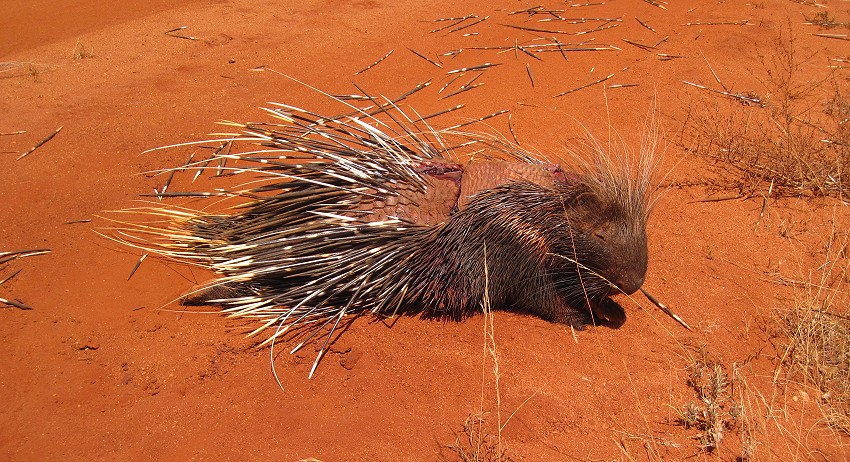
x,y
599,234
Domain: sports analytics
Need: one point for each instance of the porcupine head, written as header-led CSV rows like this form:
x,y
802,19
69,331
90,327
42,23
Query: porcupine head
x,y
608,241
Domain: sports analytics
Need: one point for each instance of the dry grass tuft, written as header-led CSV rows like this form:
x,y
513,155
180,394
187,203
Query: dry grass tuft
x,y
797,144
715,412
477,444
81,52
819,351
817,332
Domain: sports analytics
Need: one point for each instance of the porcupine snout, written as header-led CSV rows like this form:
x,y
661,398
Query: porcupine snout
x,y
616,244
620,262
628,275
630,282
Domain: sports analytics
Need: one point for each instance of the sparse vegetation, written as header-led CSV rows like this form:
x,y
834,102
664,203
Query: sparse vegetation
x,y
81,52
14,69
475,443
825,21
819,351
817,333
715,412
798,144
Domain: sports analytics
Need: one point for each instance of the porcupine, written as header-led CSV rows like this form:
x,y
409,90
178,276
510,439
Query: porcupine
x,y
352,214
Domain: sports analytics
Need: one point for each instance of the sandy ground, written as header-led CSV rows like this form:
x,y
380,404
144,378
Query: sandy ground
x,y
96,370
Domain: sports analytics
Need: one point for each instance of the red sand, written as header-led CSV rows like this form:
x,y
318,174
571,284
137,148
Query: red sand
x,y
87,375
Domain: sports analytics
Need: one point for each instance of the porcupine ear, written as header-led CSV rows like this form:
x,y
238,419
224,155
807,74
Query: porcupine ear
x,y
578,193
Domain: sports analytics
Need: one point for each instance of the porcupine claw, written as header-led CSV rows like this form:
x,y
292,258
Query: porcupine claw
x,y
610,312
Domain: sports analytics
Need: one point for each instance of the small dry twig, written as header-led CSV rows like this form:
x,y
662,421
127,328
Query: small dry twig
x,y
744,98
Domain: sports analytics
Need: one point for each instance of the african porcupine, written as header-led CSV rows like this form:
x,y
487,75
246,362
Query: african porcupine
x,y
351,214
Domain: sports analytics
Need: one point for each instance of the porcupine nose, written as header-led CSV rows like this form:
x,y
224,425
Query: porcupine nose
x,y
630,285
628,281
630,276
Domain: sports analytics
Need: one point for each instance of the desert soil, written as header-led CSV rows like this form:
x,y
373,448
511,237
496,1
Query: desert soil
x,y
106,368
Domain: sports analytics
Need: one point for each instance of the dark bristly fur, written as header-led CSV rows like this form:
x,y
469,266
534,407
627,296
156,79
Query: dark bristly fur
x,y
308,241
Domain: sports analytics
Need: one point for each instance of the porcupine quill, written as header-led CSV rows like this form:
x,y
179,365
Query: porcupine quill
x,y
357,214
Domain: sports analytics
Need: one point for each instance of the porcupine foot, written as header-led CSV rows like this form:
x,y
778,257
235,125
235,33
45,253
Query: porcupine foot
x,y
206,293
605,312
609,313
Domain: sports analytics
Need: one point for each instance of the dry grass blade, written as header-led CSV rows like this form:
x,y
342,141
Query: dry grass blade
x,y
819,350
476,443
817,332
